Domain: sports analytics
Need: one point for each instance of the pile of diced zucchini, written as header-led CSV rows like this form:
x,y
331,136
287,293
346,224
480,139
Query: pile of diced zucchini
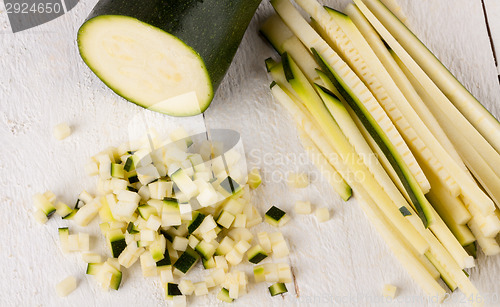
x,y
170,209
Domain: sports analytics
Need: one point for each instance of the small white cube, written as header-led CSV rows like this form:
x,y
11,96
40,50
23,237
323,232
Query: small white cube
x,y
66,286
209,280
148,235
180,243
200,288
179,301
166,275
91,168
242,246
389,291
193,241
40,217
83,242
153,222
322,214
61,131
303,207
91,258
240,221
186,286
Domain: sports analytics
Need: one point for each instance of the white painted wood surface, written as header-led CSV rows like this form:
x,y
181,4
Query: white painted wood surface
x,y
492,8
342,262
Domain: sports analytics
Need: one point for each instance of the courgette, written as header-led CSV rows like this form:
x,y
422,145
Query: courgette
x,y
168,56
410,184
462,99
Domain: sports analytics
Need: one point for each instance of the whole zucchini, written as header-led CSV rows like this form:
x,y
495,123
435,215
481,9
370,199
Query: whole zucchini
x,y
166,55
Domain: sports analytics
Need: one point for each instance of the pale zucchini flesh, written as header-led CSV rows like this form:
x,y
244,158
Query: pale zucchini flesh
x,y
312,40
417,109
442,103
380,104
327,170
146,65
468,105
302,116
468,153
406,120
416,195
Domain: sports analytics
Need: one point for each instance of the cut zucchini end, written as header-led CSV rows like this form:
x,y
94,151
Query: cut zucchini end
x,y
146,65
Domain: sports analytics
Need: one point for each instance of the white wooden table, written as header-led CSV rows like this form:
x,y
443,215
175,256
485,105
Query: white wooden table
x,y
342,262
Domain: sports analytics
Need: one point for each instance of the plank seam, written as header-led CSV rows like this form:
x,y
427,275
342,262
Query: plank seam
x,y
488,29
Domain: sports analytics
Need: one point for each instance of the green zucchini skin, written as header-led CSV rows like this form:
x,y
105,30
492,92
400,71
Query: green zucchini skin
x,y
212,28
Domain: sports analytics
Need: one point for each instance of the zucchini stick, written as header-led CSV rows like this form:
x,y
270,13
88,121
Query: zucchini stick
x,y
405,118
326,169
307,122
383,106
312,40
417,109
441,102
461,98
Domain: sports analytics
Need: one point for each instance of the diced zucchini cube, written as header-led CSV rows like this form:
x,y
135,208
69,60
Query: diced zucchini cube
x,y
322,214
166,274
259,274
234,257
223,295
208,263
195,221
277,288
63,239
66,286
186,286
180,243
265,242
284,273
225,219
276,217
225,246
116,240
240,221
171,290
158,247
193,241
93,268
200,288
153,222
206,249
179,301
117,170
254,178
230,186
242,246
186,261
61,131
256,254
43,204
221,263
389,291
148,265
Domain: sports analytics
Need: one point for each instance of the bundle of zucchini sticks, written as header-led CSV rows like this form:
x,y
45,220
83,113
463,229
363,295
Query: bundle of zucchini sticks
x,y
378,109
